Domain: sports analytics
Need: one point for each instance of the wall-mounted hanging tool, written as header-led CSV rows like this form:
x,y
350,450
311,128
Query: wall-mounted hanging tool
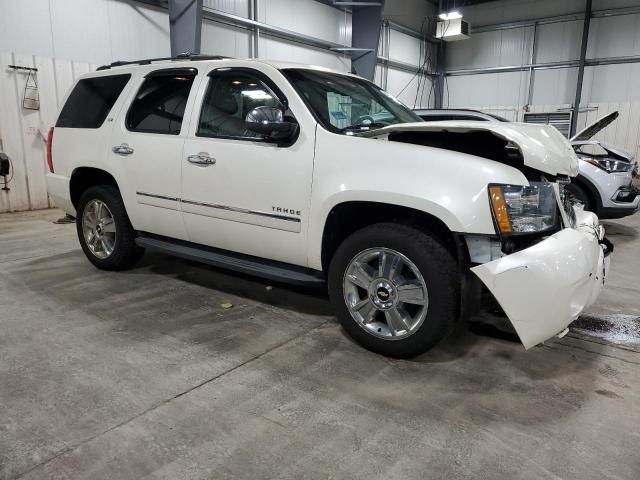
x,y
31,95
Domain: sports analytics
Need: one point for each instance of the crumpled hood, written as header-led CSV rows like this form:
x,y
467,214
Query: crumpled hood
x,y
543,147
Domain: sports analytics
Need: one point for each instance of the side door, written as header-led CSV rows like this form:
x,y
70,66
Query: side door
x,y
240,191
146,146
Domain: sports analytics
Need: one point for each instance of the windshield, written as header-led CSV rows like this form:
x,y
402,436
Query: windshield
x,y
348,105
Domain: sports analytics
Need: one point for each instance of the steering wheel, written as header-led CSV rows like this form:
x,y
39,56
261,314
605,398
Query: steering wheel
x,y
364,120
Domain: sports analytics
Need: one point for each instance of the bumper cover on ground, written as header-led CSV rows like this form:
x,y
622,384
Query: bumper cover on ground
x,y
542,289
58,188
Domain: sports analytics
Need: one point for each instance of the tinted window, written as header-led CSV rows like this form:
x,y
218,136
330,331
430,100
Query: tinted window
x,y
159,105
90,101
230,97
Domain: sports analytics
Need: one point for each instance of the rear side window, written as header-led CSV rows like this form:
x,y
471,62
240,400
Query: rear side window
x,y
159,105
91,101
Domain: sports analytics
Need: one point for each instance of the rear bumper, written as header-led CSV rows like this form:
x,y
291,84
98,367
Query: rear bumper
x,y
544,288
58,188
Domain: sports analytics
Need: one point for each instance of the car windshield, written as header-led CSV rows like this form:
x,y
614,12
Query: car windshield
x,y
345,104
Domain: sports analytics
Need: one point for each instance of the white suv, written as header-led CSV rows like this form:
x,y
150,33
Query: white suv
x,y
283,171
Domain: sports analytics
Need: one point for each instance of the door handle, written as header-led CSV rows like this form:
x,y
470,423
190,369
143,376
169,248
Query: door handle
x,y
122,149
203,159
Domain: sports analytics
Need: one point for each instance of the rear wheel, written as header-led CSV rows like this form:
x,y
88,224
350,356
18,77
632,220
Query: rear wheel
x,y
578,195
104,230
394,288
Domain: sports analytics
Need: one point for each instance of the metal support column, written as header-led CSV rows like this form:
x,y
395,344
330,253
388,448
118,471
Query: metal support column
x,y
532,60
438,100
185,24
583,55
366,25
255,31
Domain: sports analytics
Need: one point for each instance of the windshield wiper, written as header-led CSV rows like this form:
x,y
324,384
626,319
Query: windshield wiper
x,y
364,126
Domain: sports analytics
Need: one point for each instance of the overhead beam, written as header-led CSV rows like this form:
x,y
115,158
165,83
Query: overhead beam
x,y
185,26
589,62
583,57
366,25
268,30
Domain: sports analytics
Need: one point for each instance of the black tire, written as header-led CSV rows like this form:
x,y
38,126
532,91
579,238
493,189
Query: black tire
x,y
437,266
580,195
125,253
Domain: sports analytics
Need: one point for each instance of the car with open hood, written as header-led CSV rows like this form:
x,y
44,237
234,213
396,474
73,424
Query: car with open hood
x,y
604,184
310,176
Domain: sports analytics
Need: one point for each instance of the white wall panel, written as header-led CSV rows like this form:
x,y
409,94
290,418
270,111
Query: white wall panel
x,y
97,31
404,86
558,41
25,26
404,48
277,49
21,130
490,49
611,83
377,76
308,17
220,39
135,31
614,36
555,86
472,91
235,7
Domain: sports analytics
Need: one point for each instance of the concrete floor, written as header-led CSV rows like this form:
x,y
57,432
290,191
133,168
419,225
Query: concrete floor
x,y
143,375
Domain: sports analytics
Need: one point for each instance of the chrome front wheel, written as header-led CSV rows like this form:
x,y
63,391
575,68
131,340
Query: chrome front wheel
x,y
99,229
385,293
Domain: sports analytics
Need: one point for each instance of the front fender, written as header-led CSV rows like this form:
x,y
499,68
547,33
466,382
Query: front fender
x,y
450,186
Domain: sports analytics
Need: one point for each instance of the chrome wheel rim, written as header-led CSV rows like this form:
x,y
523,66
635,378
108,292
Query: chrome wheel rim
x,y
385,293
99,229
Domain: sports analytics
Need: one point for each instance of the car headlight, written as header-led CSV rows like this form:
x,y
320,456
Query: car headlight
x,y
609,165
520,209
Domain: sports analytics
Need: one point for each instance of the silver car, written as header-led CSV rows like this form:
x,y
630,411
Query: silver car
x,y
605,182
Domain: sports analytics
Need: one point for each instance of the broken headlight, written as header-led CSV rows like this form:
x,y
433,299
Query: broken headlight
x,y
609,165
524,209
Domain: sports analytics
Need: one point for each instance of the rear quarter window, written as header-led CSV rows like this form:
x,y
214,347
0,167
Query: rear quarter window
x,y
91,101
159,105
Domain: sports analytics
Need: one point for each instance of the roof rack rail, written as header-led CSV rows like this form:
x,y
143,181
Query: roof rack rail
x,y
148,61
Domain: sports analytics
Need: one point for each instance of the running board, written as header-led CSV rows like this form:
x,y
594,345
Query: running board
x,y
269,269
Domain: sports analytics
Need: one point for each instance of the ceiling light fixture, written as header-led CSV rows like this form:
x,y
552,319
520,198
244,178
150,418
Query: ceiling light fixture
x,y
452,15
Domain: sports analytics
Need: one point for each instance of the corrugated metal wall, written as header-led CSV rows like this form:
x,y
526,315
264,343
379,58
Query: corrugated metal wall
x,y
98,31
605,87
22,130
63,39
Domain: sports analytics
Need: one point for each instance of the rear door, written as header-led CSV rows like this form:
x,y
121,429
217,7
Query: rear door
x,y
146,148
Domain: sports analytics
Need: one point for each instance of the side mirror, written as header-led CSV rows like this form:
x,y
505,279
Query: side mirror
x,y
270,123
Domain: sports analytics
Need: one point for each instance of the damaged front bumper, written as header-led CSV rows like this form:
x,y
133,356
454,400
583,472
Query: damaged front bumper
x,y
543,288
